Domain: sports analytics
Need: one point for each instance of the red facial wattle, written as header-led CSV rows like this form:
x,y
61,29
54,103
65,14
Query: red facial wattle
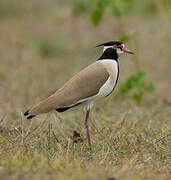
x,y
125,50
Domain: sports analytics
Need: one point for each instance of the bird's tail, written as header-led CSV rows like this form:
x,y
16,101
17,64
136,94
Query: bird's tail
x,y
43,107
28,115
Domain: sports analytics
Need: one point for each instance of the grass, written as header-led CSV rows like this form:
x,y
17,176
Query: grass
x,y
39,52
131,146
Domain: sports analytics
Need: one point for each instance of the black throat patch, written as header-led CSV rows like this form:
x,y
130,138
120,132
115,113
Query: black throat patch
x,y
109,53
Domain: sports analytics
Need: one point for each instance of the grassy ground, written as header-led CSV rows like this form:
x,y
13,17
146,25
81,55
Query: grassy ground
x,y
41,47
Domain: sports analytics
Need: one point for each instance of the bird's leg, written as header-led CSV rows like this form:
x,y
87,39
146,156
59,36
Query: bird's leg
x,y
87,129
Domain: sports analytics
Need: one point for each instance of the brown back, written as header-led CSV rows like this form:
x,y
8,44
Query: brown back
x,y
84,84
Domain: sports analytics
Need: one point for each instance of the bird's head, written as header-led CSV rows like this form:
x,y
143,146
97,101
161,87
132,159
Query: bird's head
x,y
118,46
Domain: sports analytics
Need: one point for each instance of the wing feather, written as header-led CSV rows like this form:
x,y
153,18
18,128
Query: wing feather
x,y
84,84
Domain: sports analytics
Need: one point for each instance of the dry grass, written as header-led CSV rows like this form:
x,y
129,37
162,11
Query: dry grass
x,y
130,141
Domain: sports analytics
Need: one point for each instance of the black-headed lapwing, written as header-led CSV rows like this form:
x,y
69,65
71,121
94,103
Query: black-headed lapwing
x,y
92,83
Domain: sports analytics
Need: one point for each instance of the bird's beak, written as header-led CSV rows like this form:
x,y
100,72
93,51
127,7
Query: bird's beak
x,y
125,50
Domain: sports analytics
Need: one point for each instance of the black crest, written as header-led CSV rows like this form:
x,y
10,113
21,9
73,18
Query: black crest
x,y
110,43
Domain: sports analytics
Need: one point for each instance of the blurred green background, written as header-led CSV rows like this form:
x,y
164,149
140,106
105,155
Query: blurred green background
x,y
53,40
44,43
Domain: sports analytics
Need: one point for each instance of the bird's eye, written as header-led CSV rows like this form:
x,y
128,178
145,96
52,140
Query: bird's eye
x,y
115,46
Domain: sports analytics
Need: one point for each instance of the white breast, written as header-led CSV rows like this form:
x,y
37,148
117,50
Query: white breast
x,y
112,68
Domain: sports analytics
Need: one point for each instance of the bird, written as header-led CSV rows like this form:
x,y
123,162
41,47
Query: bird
x,y
94,82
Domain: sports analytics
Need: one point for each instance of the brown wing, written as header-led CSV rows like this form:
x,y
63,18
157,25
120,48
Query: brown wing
x,y
83,85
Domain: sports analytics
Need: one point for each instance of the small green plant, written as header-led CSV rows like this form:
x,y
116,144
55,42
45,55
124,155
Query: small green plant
x,y
120,8
2,72
98,12
81,6
46,48
167,7
136,85
117,8
51,48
